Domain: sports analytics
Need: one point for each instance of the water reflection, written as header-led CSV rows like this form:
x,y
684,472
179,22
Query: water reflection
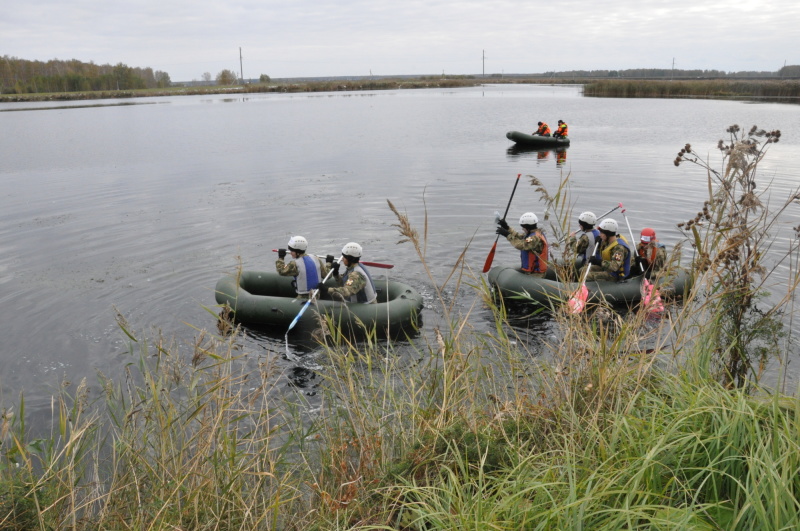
x,y
79,106
542,155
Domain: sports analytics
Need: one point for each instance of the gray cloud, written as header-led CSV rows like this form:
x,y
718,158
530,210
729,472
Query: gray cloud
x,y
317,38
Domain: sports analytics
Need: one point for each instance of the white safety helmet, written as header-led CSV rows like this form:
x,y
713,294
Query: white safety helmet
x,y
609,225
528,218
588,217
297,243
352,249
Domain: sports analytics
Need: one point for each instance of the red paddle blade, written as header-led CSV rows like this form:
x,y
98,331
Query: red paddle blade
x,y
376,264
489,259
651,298
578,301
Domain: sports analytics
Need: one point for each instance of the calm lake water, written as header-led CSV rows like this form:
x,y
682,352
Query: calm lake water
x,y
141,208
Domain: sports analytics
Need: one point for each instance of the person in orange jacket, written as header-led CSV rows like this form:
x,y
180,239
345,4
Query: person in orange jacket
x,y
651,253
562,130
544,129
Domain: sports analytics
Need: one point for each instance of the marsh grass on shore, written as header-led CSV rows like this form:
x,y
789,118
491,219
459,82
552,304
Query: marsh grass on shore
x,y
787,91
623,423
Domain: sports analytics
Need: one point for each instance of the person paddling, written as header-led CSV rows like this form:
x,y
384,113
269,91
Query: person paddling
x,y
584,239
614,262
532,244
308,271
355,284
651,253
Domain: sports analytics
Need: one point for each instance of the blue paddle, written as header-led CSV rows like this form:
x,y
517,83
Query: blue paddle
x,y
306,305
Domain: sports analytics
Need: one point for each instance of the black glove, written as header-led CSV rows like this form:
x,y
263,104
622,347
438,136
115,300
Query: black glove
x,y
281,253
323,289
503,223
502,232
595,261
335,268
329,259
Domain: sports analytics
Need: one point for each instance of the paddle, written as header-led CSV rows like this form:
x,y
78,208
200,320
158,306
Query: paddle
x,y
578,301
650,295
305,307
370,264
490,258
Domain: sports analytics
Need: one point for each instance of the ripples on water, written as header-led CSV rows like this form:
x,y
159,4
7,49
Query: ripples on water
x,y
143,207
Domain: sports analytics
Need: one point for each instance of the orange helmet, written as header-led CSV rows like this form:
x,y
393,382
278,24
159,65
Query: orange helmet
x,y
648,235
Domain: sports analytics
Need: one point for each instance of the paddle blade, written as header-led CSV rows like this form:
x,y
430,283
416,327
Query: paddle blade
x,y
377,264
578,301
651,298
489,259
302,311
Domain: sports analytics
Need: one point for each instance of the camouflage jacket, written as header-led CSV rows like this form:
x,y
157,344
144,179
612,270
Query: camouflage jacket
x,y
525,242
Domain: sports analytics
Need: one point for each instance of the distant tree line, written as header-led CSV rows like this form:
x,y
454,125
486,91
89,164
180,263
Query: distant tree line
x,y
666,73
21,76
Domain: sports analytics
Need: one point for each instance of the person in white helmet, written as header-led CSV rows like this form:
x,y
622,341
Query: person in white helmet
x,y
584,240
355,284
308,271
614,262
532,244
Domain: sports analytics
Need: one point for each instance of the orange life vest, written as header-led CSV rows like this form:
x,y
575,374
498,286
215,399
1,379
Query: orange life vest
x,y
544,129
642,251
532,262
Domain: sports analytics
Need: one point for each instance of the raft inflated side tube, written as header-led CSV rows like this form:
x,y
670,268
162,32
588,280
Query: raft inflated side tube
x,y
512,283
266,299
524,139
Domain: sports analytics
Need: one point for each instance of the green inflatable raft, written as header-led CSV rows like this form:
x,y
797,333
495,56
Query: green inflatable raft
x,y
512,283
523,139
266,299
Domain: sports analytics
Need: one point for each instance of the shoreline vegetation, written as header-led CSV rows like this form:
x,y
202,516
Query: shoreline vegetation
x,y
785,91
617,421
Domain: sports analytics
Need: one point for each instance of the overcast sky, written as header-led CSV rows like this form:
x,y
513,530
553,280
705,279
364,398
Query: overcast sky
x,y
295,38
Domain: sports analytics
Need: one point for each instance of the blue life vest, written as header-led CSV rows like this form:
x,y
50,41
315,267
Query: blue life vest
x,y
309,275
369,293
594,237
625,271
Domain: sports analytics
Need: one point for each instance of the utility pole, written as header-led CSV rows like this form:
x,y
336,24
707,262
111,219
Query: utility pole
x,y
672,75
241,70
483,62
